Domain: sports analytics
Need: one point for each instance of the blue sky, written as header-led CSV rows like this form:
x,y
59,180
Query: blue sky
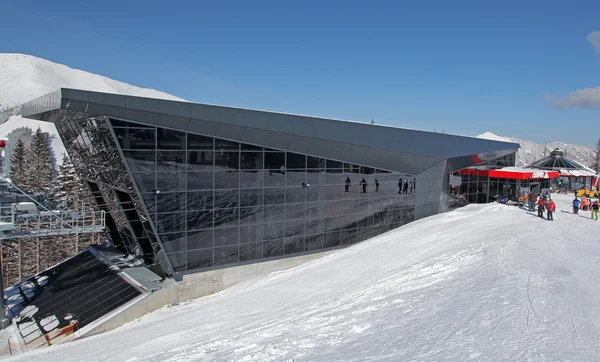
x,y
509,67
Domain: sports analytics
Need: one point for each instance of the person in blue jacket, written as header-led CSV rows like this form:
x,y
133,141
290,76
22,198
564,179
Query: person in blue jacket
x,y
576,206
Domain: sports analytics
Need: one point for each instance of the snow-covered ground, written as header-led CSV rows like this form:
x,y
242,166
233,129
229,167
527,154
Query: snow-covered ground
x,y
485,282
531,151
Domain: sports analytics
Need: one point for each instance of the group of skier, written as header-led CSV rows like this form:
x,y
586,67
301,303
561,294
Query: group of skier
x,y
545,203
404,186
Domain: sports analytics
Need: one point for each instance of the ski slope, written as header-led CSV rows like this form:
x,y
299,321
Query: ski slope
x,y
485,282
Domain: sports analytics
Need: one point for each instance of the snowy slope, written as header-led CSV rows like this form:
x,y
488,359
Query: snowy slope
x,y
531,151
485,282
25,77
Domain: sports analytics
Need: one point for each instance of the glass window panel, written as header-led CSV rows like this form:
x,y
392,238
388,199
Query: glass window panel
x,y
247,147
200,160
150,201
333,207
295,194
251,197
272,248
313,242
295,178
333,223
178,261
363,234
380,186
394,216
227,236
294,227
199,219
275,161
365,220
315,209
200,239
227,160
350,207
349,236
200,180
274,230
146,182
294,244
295,161
171,181
171,222
197,259
315,177
274,196
273,213
118,123
227,179
226,198
294,211
251,178
200,200
224,145
315,162
170,202
315,193
170,140
138,139
331,164
251,160
171,161
250,233
173,243
251,251
226,255
227,217
314,226
198,142
273,178
351,168
334,192
349,221
332,239
251,215
141,161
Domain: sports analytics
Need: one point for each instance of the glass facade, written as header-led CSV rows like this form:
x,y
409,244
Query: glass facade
x,y
207,202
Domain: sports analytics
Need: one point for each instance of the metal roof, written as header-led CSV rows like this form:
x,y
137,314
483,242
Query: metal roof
x,y
385,147
557,161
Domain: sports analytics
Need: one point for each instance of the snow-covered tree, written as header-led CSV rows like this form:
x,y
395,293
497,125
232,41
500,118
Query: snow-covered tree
x,y
18,166
69,188
39,165
21,133
596,165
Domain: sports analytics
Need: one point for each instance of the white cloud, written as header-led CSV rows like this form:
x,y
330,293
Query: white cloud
x,y
594,39
583,98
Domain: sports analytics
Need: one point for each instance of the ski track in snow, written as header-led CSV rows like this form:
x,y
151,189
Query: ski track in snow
x,y
485,282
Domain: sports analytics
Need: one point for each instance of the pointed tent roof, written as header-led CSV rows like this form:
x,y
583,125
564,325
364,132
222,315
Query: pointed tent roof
x,y
558,162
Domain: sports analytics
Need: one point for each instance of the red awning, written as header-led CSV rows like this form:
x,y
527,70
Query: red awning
x,y
512,174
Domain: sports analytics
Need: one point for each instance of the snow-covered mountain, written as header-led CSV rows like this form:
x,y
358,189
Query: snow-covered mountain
x,y
25,77
531,151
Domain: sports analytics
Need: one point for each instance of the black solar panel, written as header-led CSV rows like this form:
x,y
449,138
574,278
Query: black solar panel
x,y
80,289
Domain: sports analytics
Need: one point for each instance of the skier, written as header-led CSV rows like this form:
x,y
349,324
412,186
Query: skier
x,y
595,208
541,206
410,186
532,198
551,209
575,206
400,186
347,186
376,185
405,188
363,183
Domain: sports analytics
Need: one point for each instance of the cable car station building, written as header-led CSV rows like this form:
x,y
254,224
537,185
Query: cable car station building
x,y
192,187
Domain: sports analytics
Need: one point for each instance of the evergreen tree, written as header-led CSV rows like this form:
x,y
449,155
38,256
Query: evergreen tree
x,y
39,165
596,165
21,133
18,169
69,188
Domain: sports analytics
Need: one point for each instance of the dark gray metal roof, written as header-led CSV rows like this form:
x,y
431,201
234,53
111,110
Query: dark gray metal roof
x,y
391,148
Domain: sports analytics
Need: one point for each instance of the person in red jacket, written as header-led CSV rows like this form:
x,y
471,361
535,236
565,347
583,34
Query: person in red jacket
x,y
551,209
541,206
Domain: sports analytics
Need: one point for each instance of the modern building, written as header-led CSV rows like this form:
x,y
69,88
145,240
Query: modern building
x,y
192,187
484,182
